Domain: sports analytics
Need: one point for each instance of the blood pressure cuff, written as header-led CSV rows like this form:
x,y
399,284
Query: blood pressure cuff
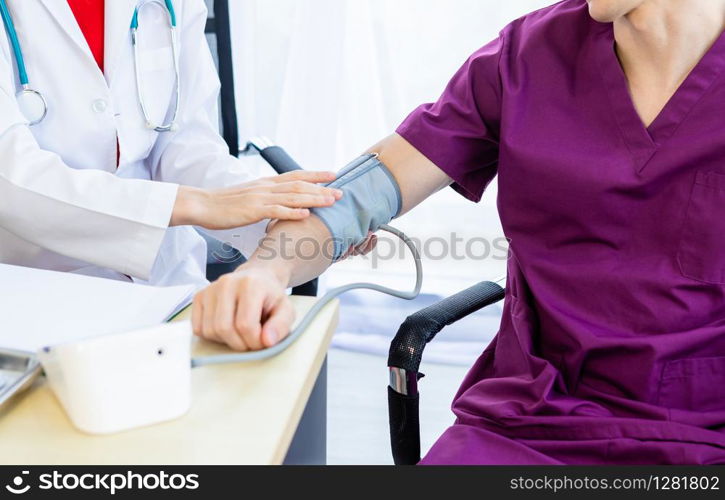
x,y
371,198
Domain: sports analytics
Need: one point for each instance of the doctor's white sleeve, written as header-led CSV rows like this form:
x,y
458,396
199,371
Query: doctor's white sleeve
x,y
195,154
89,215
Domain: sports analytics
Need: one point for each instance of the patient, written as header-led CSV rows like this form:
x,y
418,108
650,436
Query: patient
x,y
598,117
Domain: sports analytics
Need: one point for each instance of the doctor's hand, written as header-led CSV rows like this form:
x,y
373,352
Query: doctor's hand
x,y
284,197
246,310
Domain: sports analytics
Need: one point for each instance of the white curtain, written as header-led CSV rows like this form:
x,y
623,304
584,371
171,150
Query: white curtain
x,y
330,77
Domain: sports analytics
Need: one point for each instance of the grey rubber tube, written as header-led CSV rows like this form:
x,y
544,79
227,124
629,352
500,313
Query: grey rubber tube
x,y
248,357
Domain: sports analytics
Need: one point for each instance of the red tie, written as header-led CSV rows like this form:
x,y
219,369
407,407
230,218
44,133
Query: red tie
x,y
90,17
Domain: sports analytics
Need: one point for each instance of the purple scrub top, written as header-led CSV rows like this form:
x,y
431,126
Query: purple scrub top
x,y
612,344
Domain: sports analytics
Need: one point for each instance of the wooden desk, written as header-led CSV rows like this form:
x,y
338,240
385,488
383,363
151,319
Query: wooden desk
x,y
240,414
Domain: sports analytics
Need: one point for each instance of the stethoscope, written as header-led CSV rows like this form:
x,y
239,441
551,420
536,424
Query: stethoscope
x,y
34,106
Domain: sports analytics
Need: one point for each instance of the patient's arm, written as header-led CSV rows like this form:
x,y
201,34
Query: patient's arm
x,y
249,309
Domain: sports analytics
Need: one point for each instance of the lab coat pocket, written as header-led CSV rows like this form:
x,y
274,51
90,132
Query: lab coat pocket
x,y
158,59
701,254
693,384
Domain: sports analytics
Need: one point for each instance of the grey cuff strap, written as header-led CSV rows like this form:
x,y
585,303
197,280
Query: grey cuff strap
x,y
371,198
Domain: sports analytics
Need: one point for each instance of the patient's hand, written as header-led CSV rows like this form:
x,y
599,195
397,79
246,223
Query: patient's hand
x,y
246,310
249,309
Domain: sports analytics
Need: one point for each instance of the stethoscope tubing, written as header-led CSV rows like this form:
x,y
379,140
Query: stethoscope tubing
x,y
25,81
171,125
15,43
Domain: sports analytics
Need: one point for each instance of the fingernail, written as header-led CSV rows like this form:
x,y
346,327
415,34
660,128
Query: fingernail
x,y
272,336
330,199
339,193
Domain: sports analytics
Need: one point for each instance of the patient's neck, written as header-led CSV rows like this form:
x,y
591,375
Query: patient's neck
x,y
668,37
658,45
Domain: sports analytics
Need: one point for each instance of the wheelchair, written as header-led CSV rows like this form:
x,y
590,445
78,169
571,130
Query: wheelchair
x,y
406,354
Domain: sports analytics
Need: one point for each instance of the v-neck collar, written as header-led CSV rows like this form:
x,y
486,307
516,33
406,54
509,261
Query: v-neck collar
x,y
644,141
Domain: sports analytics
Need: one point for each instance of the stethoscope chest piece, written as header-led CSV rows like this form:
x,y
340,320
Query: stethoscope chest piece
x,y
32,104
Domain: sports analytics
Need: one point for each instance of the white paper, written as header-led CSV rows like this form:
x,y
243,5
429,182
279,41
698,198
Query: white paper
x,y
44,308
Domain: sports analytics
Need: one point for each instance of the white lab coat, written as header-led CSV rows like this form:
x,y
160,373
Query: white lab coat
x,y
63,203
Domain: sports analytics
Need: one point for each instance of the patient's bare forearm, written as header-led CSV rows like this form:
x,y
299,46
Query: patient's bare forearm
x,y
417,176
296,252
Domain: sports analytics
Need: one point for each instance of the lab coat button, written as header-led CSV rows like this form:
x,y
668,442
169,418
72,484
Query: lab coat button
x,y
99,105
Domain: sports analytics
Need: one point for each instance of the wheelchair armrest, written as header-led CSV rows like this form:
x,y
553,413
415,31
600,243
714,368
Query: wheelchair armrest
x,y
406,350
406,353
277,157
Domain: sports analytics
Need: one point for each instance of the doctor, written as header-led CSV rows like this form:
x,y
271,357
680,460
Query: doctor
x,y
108,172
